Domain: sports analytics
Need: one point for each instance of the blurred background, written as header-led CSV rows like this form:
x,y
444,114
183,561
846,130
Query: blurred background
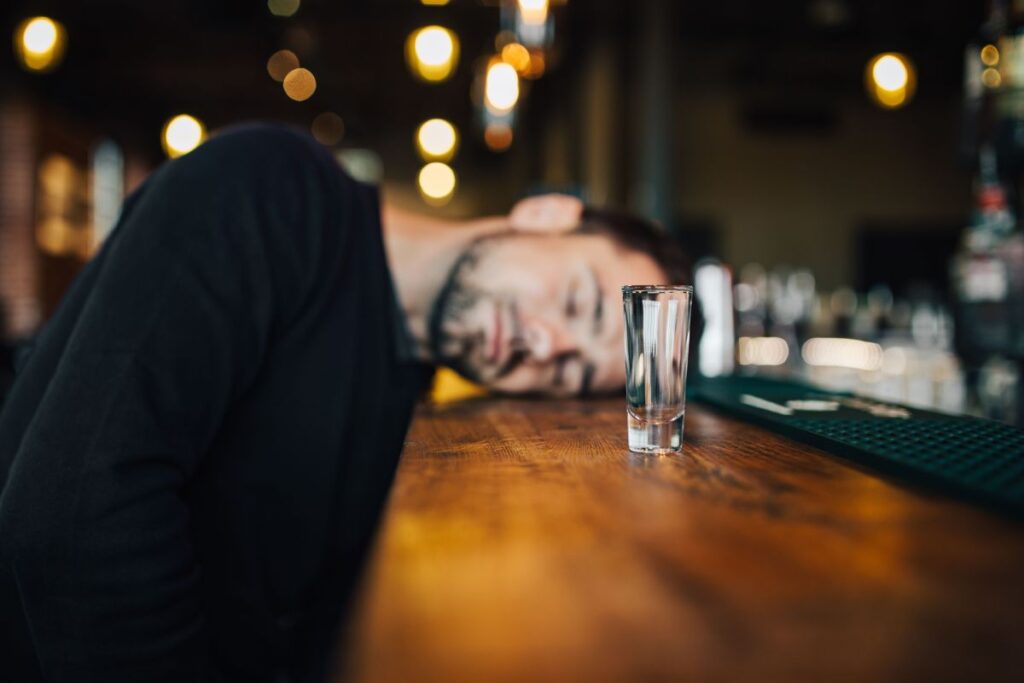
x,y
845,173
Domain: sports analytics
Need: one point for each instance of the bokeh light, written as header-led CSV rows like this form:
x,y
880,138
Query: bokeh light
x,y
991,78
283,8
300,84
842,353
890,73
437,182
182,134
501,87
890,80
762,351
498,136
990,55
537,65
516,55
40,35
432,53
436,139
328,128
434,3
281,63
56,227
39,43
533,12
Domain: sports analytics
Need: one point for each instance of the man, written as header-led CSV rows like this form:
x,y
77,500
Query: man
x,y
194,455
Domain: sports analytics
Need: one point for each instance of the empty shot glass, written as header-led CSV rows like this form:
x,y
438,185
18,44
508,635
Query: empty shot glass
x,y
657,341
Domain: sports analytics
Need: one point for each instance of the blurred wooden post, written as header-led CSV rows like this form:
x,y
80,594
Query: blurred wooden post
x,y
653,188
601,102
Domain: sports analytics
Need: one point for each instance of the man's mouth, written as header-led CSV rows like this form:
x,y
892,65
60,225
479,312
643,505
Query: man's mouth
x,y
506,349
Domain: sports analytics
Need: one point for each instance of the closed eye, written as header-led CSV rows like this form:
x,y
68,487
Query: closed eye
x,y
599,303
571,308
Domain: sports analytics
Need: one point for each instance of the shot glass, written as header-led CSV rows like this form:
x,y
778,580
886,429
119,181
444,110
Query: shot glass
x,y
657,334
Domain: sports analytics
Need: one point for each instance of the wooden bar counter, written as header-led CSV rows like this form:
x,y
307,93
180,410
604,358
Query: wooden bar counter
x,y
523,542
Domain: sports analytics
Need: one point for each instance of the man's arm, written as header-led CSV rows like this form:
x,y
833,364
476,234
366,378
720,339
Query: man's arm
x,y
209,262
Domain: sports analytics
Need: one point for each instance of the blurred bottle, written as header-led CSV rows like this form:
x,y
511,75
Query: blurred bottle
x,y
998,390
992,219
988,278
980,276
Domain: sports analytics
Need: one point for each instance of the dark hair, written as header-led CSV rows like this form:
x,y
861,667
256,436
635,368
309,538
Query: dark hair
x,y
641,234
635,232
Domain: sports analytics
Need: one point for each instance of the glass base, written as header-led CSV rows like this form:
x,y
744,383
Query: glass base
x,y
655,437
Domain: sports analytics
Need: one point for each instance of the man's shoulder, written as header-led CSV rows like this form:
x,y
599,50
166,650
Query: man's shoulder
x,y
261,158
265,139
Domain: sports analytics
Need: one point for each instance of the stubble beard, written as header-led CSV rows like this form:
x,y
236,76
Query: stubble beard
x,y
455,299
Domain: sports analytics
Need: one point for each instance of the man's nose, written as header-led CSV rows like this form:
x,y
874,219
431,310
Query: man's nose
x,y
545,341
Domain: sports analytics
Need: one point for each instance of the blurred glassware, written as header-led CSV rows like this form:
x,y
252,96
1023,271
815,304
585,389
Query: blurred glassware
x,y
657,331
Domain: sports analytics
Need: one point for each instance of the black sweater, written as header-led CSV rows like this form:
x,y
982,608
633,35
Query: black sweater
x,y
194,456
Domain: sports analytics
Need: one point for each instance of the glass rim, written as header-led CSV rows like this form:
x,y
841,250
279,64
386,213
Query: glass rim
x,y
652,289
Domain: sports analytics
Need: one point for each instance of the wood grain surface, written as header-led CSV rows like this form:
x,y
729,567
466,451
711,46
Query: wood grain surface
x,y
523,542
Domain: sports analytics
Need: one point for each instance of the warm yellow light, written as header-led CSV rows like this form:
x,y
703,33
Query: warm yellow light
x,y
434,3
436,139
328,128
434,46
283,8
39,43
516,55
436,182
59,181
280,63
890,73
991,78
40,35
498,136
299,84
891,99
432,53
533,11
182,134
990,55
450,387
501,87
890,80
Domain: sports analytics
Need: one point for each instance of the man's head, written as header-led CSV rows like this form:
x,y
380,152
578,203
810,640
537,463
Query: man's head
x,y
541,312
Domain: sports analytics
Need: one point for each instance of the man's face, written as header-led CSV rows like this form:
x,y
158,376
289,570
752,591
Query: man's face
x,y
539,313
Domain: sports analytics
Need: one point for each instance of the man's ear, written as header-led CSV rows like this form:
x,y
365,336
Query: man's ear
x,y
546,213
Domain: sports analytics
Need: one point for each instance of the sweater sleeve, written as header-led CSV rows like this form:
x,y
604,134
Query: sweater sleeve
x,y
211,262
